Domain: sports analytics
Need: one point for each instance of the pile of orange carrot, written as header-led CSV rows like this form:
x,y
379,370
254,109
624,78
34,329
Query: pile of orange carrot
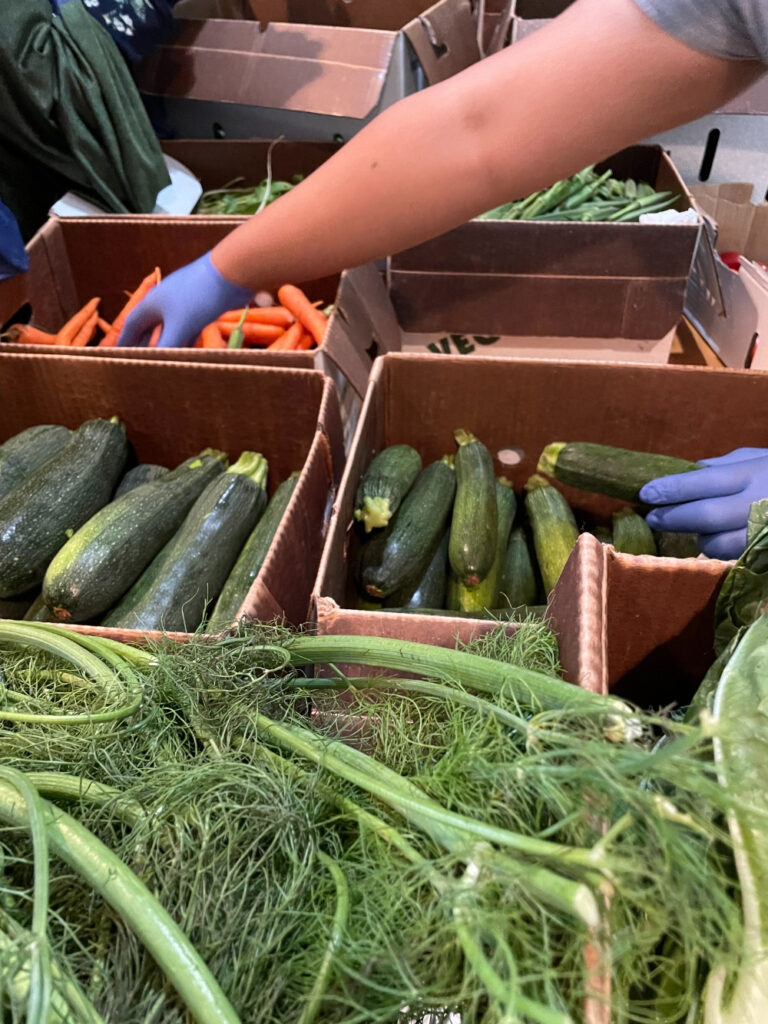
x,y
294,325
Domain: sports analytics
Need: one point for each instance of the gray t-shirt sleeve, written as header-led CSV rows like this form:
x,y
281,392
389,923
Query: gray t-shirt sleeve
x,y
737,29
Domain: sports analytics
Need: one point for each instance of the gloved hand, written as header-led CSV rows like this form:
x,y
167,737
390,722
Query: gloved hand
x,y
184,303
713,502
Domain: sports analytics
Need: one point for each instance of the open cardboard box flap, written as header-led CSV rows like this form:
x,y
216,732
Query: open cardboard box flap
x,y
645,625
730,308
333,58
312,68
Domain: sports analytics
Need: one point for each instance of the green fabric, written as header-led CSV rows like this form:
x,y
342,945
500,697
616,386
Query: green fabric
x,y
70,116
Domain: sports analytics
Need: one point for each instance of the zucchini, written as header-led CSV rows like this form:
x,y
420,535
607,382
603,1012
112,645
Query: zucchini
x,y
384,485
474,524
24,452
518,577
52,503
173,592
554,528
144,473
429,592
252,557
631,533
39,611
677,545
498,614
416,531
615,472
486,593
108,554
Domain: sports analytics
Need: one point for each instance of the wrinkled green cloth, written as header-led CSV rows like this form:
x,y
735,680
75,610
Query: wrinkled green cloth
x,y
70,116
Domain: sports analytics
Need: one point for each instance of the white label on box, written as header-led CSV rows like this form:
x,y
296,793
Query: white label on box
x,y
613,349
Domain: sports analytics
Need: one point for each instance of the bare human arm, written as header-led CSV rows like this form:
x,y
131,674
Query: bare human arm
x,y
601,76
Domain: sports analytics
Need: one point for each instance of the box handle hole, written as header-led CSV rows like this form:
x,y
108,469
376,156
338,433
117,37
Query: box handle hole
x,y
510,457
708,159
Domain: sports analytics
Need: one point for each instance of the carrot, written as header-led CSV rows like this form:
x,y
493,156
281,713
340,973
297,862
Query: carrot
x,y
315,321
288,340
104,325
260,315
253,334
25,334
71,328
111,337
211,337
86,332
306,341
155,336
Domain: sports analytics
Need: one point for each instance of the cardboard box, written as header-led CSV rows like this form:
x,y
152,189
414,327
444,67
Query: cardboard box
x,y
173,410
517,407
549,280
639,627
730,308
63,274
266,78
216,163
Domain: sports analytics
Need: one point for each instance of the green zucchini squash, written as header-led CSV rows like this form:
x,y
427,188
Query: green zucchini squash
x,y
384,485
677,545
106,556
173,592
518,577
416,531
144,473
474,524
554,529
24,452
602,469
52,503
499,614
631,533
486,593
252,557
604,534
39,611
429,592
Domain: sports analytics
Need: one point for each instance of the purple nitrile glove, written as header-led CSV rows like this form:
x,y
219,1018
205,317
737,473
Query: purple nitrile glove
x,y
713,502
184,303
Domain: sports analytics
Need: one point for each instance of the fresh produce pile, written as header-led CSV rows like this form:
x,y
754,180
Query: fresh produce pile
x,y
587,196
234,200
150,548
182,840
450,536
295,325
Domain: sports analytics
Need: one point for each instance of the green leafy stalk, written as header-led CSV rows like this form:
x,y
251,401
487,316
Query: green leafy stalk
x,y
741,755
126,894
453,832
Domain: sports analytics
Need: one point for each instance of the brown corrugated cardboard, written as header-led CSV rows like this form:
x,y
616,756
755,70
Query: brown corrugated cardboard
x,y
645,625
553,280
241,78
173,410
63,274
517,407
730,308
